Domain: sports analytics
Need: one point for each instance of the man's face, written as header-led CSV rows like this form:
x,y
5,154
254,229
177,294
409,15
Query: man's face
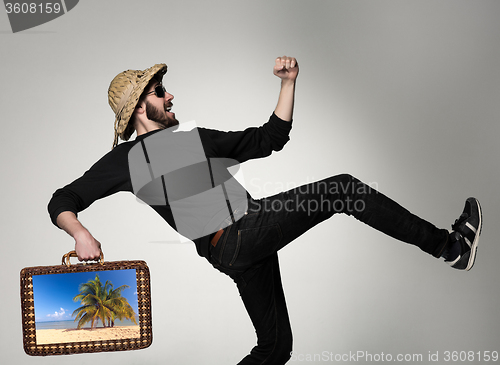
x,y
158,109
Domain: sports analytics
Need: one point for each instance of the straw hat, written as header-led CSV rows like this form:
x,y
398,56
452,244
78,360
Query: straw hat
x,y
124,93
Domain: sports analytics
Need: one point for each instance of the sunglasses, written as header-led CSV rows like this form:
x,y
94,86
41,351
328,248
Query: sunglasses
x,y
159,91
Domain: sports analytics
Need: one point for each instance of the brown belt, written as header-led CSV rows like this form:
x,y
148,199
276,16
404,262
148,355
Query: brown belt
x,y
216,237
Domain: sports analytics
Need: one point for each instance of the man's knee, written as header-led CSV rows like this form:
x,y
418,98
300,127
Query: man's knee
x,y
346,181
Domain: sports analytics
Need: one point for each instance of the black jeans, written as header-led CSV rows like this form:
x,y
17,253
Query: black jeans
x,y
248,249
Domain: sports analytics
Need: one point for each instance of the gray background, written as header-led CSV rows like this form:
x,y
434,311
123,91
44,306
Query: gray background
x,y
402,94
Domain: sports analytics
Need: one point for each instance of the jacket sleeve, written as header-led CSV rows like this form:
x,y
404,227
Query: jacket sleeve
x,y
106,177
253,142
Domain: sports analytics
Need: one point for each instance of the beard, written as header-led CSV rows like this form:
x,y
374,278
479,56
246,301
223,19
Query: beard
x,y
161,118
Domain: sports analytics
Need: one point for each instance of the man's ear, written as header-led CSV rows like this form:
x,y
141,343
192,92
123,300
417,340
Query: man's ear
x,y
140,108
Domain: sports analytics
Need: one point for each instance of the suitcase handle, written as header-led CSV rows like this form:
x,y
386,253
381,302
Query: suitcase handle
x,y
66,257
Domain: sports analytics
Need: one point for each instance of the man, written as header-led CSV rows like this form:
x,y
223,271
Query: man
x,y
244,245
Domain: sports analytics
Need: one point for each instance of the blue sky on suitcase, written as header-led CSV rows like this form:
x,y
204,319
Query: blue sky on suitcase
x,y
54,293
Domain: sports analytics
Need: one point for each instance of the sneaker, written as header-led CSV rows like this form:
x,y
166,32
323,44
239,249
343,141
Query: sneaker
x,y
466,231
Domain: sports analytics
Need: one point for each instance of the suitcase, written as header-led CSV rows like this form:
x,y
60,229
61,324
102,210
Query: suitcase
x,y
84,308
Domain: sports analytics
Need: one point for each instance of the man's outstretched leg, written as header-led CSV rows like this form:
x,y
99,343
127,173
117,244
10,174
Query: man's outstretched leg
x,y
297,210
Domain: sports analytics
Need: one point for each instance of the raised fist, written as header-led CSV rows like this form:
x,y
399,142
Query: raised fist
x,y
286,68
